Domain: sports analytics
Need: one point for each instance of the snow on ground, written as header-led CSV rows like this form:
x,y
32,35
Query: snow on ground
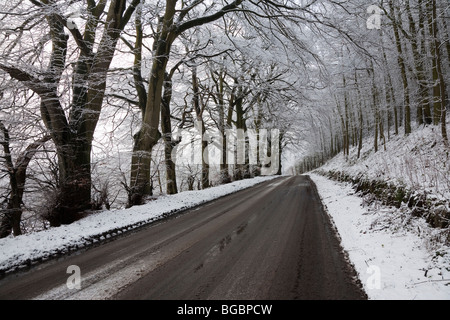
x,y
393,253
29,248
419,162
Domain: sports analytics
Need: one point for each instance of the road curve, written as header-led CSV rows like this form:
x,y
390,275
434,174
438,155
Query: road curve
x,y
270,242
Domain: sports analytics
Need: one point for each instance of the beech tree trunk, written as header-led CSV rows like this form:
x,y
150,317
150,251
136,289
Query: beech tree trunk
x,y
148,135
441,88
169,144
199,114
401,62
73,135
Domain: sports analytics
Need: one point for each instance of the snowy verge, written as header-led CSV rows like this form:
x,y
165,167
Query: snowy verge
x,y
24,250
418,162
391,252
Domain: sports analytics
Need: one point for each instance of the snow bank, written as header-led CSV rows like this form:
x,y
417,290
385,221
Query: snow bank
x,y
30,248
391,251
419,162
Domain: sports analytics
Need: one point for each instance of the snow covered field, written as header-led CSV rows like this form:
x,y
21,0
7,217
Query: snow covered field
x,y
393,253
25,249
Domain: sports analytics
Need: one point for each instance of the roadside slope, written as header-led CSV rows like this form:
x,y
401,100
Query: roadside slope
x,y
397,256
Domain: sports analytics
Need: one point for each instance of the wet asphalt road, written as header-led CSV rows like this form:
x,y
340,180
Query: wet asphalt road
x,y
270,242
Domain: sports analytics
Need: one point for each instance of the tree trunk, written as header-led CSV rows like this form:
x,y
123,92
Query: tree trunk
x,y
166,127
401,62
446,34
73,136
280,150
344,136
423,85
375,142
347,118
149,135
241,171
440,107
360,116
201,127
423,107
10,220
437,85
74,194
220,81
17,178
258,123
361,124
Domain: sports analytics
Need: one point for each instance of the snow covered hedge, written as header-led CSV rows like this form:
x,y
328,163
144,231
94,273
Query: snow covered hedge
x,y
421,204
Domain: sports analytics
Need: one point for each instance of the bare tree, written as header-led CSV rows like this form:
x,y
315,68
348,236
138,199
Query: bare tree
x,y
172,24
72,134
17,172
